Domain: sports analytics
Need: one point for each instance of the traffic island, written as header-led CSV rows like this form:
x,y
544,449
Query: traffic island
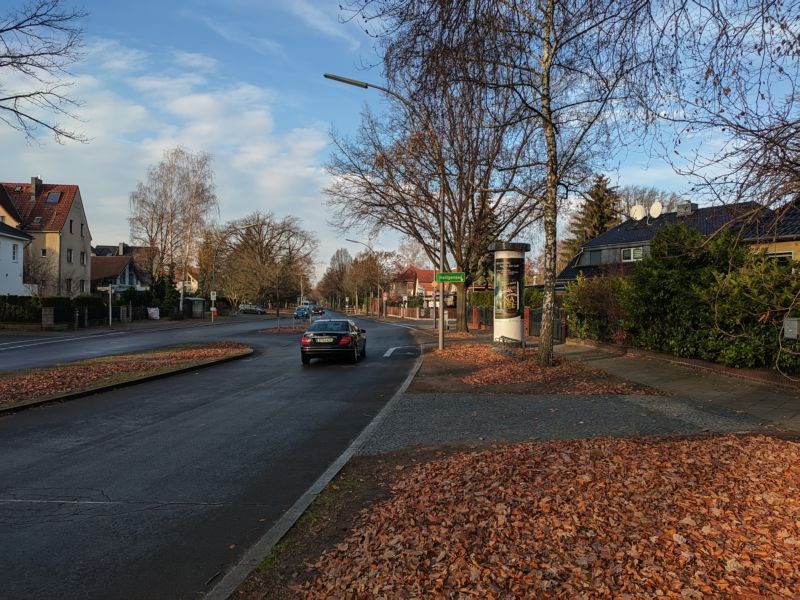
x,y
24,389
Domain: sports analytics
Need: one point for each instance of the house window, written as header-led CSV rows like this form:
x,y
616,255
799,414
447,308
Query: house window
x,y
70,225
44,252
81,229
2,219
37,220
14,252
632,254
68,284
782,258
83,258
69,255
53,197
595,256
83,285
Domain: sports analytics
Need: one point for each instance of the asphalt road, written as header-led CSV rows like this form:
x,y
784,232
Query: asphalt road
x,y
24,351
153,491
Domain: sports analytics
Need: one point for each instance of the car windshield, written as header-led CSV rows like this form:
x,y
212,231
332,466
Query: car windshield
x,y
329,326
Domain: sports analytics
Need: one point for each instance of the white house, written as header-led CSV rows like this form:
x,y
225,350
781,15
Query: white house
x,y
12,244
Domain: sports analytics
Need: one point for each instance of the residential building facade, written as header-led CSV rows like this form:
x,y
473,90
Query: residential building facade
x,y
119,271
616,251
12,250
59,256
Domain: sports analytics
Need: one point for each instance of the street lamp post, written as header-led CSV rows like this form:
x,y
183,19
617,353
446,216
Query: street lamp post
x,y
364,85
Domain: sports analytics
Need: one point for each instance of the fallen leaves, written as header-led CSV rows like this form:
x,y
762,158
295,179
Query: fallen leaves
x,y
587,518
516,366
69,378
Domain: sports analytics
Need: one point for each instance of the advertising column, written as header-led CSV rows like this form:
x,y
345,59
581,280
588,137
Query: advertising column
x,y
509,289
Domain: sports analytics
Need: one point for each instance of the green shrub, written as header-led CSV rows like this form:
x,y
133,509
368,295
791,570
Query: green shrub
x,y
533,297
480,298
20,309
667,301
748,306
596,308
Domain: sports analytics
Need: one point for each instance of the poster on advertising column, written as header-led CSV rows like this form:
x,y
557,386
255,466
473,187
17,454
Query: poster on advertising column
x,y
508,273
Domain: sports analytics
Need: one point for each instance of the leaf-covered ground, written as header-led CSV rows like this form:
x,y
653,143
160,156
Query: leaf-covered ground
x,y
485,366
37,384
707,517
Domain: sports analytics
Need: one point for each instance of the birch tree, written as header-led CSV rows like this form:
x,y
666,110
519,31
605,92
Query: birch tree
x,y
169,212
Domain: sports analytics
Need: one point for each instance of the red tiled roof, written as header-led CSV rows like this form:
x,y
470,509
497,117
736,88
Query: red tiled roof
x,y
7,205
425,275
53,214
108,267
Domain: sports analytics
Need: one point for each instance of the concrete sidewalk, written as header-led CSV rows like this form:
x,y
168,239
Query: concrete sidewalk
x,y
701,402
771,400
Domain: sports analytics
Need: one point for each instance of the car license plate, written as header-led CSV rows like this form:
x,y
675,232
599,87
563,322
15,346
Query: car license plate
x,y
324,340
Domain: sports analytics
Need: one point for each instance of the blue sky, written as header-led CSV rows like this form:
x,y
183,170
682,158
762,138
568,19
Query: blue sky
x,y
240,79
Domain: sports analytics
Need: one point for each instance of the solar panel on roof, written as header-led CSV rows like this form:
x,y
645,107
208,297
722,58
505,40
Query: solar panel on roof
x,y
53,197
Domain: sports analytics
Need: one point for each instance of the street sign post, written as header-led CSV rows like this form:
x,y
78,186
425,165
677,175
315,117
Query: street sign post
x,y
454,277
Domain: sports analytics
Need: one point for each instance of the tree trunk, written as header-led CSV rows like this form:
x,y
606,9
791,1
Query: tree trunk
x,y
461,307
551,195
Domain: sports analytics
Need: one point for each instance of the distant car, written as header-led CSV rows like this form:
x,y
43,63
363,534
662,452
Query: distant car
x,y
317,310
301,313
251,309
340,338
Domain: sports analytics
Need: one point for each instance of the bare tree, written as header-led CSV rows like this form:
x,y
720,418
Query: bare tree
x,y
265,259
38,42
726,98
37,271
450,145
169,212
332,284
631,195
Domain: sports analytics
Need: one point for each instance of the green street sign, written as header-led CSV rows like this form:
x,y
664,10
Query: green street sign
x,y
450,277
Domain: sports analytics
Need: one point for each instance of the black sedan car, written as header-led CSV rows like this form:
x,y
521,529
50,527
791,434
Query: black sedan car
x,y
339,338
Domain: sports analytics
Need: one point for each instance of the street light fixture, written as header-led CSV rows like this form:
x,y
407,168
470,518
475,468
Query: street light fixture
x,y
364,85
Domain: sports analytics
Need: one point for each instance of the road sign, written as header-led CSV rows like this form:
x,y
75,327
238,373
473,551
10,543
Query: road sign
x,y
213,296
455,277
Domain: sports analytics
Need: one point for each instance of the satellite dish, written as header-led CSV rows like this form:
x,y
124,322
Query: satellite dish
x,y
638,212
655,209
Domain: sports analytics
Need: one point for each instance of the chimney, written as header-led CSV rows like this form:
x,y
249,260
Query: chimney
x,y
684,209
36,186
122,249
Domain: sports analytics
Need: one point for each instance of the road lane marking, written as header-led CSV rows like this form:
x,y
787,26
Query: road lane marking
x,y
56,341
390,351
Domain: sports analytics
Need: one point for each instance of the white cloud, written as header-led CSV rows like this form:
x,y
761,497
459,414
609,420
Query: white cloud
x,y
194,60
112,56
324,21
132,117
236,35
